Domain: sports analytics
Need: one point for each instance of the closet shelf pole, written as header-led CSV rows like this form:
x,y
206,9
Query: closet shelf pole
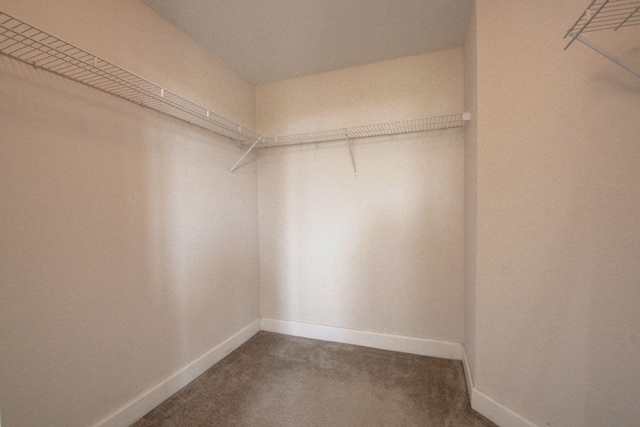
x,y
607,55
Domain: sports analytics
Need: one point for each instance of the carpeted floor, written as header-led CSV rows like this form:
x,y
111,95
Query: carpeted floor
x,y
277,380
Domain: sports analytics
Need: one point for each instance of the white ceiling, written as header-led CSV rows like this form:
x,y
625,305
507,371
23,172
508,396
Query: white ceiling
x,y
273,40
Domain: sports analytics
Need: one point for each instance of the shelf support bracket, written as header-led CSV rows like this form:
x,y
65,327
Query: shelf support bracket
x,y
353,159
607,55
244,155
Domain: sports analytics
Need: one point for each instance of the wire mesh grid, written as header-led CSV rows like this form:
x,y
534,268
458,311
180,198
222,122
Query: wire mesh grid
x,y
606,15
30,45
408,126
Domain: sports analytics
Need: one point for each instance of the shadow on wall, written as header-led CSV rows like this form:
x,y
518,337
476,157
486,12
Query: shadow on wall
x,y
114,274
408,256
379,252
614,80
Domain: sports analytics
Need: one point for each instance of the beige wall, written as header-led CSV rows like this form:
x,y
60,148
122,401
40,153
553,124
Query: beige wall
x,y
558,235
413,87
381,251
470,190
127,249
129,34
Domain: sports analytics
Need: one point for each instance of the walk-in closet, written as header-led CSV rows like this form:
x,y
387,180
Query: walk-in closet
x,y
307,213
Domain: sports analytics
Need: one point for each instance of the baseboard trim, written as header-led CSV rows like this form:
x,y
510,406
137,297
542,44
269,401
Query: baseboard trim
x,y
489,407
481,402
423,347
145,402
467,372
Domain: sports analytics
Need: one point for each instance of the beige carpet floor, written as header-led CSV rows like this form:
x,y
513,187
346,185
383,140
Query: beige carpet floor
x,y
276,380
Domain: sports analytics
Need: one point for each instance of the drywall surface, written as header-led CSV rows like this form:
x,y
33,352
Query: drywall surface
x,y
381,251
470,189
133,37
413,87
558,235
127,250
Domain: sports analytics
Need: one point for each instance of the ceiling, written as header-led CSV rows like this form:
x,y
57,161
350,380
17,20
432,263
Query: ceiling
x,y
272,40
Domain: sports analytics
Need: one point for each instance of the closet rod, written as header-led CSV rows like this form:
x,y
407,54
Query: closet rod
x,y
28,44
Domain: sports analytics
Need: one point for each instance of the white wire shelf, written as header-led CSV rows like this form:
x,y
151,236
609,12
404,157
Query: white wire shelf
x,y
383,129
28,44
605,15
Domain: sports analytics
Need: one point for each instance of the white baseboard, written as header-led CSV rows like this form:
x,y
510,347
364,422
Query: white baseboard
x,y
423,347
481,402
467,372
145,402
490,408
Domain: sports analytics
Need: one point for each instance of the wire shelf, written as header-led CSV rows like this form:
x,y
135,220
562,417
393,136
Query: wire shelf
x,y
28,44
383,129
605,15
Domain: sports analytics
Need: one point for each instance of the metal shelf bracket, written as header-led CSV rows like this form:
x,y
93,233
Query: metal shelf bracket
x,y
608,55
353,159
245,155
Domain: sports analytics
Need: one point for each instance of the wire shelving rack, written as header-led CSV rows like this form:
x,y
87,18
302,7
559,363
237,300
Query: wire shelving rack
x,y
382,129
605,15
28,44
40,49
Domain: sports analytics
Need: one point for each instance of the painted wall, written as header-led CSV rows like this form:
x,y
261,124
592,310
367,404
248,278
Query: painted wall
x,y
558,235
114,275
127,250
413,87
470,191
381,251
